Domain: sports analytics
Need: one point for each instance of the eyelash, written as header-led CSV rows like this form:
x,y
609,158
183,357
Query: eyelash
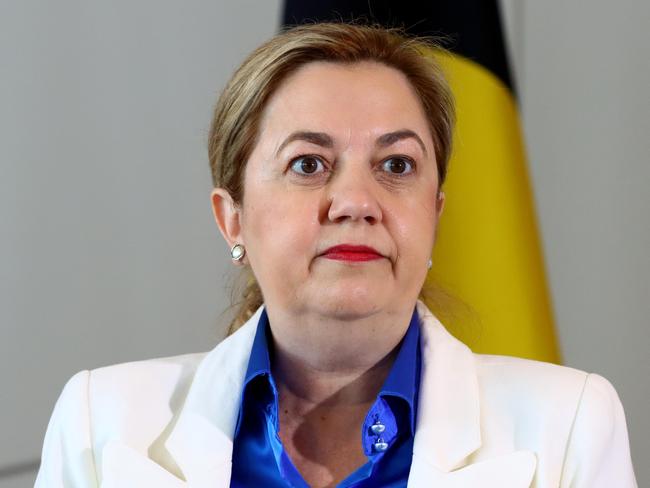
x,y
321,160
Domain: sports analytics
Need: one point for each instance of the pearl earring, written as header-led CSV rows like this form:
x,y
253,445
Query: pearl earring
x,y
237,252
430,264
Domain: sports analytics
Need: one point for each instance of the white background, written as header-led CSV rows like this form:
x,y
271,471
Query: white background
x,y
108,252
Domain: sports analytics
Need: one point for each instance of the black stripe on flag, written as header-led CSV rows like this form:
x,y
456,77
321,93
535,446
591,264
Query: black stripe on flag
x,y
473,27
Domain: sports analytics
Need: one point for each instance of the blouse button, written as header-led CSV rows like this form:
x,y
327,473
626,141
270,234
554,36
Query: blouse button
x,y
377,427
380,445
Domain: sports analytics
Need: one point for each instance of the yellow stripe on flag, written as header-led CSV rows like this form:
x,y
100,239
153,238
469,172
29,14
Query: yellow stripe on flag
x,y
488,251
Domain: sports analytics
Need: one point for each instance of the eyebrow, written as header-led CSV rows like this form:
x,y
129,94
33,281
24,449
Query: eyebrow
x,y
392,137
325,140
318,138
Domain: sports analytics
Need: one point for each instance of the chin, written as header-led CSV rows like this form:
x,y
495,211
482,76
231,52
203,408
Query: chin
x,y
349,304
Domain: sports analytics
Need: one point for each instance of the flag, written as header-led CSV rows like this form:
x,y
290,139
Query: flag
x,y
488,283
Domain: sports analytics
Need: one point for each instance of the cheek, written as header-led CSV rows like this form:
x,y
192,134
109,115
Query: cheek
x,y
414,225
278,226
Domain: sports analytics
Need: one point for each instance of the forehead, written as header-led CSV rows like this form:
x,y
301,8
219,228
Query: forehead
x,y
334,97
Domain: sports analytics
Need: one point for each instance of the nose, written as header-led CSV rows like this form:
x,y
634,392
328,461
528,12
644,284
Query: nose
x,y
352,197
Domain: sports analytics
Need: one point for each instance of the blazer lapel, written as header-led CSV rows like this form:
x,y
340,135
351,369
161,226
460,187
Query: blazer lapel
x,y
448,425
202,438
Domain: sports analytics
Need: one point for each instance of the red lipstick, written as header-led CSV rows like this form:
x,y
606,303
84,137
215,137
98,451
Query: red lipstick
x,y
349,252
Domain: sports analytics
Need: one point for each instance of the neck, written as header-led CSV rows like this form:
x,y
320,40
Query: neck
x,y
324,361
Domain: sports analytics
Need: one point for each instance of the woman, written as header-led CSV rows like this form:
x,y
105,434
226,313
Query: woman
x,y
329,148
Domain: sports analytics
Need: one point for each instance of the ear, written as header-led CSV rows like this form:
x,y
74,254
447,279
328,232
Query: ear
x,y
440,203
227,214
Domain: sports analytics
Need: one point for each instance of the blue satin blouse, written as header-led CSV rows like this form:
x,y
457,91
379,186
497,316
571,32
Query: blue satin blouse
x,y
259,458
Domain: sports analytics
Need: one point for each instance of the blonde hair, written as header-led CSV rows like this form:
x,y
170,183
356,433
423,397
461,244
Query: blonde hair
x,y
235,124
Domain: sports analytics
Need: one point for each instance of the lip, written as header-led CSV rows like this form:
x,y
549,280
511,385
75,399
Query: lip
x,y
351,252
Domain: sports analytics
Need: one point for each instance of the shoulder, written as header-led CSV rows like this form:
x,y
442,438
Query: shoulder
x,y
529,396
166,372
536,391
537,380
541,383
578,413
139,386
598,451
115,383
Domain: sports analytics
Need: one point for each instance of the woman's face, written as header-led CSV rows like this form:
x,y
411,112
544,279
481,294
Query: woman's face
x,y
344,158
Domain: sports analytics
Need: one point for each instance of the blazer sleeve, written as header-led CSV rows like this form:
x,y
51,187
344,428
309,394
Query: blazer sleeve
x,y
598,450
67,460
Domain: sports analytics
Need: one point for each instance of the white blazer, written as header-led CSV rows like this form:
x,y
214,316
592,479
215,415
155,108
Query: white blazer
x,y
483,421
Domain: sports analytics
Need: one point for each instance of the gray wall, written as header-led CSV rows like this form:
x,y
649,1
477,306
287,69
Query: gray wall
x,y
108,251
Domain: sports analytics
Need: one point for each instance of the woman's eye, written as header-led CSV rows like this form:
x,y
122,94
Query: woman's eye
x,y
398,166
307,165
